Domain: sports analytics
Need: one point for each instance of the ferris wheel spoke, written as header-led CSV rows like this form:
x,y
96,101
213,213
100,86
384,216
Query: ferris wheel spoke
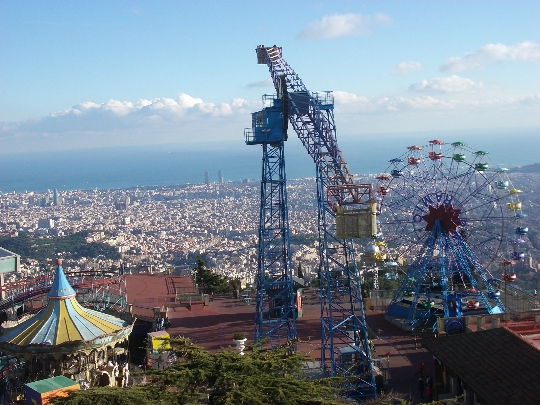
x,y
477,191
484,212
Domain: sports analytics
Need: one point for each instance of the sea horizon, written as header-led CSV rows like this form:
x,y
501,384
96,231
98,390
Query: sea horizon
x,y
170,165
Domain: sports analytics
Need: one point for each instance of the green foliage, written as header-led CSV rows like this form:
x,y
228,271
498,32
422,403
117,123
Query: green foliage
x,y
365,289
300,273
71,246
388,285
308,239
259,377
388,398
140,395
208,281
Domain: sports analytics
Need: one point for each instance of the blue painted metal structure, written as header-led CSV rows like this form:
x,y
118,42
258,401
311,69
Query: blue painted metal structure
x,y
424,294
454,218
275,313
344,329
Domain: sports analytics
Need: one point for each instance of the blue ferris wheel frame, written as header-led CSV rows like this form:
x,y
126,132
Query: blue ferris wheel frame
x,y
480,232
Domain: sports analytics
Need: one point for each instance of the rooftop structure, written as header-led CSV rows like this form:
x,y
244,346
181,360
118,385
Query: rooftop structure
x,y
492,366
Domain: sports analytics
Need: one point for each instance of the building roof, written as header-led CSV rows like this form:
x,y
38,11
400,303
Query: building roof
x,y
64,320
6,253
61,289
499,366
51,384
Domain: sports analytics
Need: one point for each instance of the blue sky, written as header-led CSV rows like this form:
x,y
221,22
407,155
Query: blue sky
x,y
101,73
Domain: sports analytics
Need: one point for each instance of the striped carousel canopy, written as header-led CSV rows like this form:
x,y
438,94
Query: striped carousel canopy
x,y
64,320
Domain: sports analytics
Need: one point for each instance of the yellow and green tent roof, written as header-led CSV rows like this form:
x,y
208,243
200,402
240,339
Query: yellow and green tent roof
x,y
64,320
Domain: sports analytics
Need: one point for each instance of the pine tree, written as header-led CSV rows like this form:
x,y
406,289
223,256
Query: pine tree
x,y
208,281
300,271
260,377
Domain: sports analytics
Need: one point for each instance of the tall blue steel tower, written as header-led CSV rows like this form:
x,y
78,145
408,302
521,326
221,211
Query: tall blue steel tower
x,y
275,313
346,211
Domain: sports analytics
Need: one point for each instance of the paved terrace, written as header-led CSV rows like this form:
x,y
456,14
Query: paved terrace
x,y
213,326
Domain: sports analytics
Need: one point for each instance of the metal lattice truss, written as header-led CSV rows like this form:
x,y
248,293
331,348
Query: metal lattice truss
x,y
276,315
344,330
444,257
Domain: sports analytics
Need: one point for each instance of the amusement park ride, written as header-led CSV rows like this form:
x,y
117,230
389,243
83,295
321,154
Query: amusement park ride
x,y
448,215
346,211
99,289
454,216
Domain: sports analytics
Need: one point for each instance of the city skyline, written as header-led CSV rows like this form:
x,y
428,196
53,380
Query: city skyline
x,y
111,74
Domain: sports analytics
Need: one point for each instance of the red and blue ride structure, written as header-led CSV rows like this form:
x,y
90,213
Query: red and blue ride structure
x,y
454,218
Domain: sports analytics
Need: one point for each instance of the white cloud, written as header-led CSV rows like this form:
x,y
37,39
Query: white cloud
x,y
404,68
158,116
118,108
263,83
186,101
383,114
353,103
449,84
342,25
525,51
192,120
533,101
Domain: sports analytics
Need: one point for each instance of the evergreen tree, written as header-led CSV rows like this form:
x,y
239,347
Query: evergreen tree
x,y
260,377
208,281
300,271
140,395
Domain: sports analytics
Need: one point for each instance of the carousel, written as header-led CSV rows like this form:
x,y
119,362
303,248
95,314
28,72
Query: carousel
x,y
66,339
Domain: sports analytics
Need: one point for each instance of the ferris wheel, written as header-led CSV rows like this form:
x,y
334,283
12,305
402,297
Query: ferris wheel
x,y
454,216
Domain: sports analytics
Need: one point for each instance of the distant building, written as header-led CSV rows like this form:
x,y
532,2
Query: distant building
x,y
220,176
122,203
44,201
206,177
46,223
9,262
57,200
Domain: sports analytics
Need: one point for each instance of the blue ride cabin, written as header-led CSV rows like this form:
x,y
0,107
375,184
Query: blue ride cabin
x,y
268,125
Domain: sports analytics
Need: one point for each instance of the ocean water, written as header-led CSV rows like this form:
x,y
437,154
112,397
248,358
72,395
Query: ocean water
x,y
132,166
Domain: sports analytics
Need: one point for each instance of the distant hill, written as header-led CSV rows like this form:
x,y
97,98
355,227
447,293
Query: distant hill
x,y
534,168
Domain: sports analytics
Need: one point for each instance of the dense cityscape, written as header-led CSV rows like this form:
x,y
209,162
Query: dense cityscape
x,y
164,227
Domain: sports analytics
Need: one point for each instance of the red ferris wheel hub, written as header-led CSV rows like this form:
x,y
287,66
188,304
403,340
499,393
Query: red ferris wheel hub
x,y
447,215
